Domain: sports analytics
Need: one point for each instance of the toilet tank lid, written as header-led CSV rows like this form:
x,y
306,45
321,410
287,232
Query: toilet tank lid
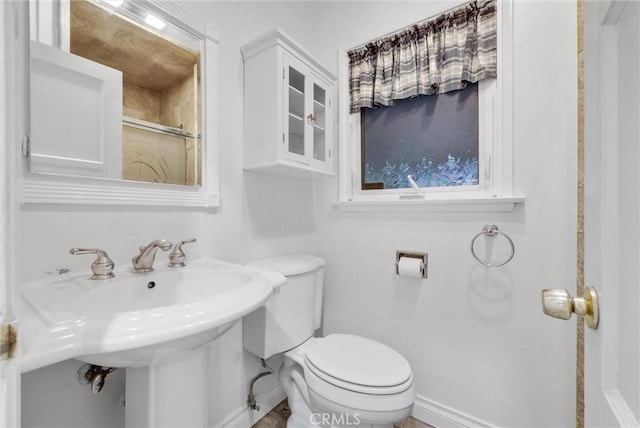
x,y
293,264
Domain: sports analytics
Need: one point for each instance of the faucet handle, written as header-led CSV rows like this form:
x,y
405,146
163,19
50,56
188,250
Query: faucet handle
x,y
177,256
102,266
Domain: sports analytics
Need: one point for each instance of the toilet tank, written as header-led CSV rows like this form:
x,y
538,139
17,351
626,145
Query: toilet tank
x,y
292,313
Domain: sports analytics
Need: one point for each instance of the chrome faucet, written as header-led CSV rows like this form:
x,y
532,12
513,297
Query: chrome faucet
x,y
143,262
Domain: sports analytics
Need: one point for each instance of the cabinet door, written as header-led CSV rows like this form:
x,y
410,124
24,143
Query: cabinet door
x,y
319,120
76,115
296,94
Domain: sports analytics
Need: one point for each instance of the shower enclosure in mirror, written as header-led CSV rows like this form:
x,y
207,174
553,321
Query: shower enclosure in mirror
x,y
118,92
160,76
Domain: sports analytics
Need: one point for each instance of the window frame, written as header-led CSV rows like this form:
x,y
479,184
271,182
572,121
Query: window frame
x,y
495,191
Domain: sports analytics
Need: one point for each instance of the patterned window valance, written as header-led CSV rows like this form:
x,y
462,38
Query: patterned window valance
x,y
432,57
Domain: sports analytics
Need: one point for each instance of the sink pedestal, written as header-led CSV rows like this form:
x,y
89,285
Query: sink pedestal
x,y
171,394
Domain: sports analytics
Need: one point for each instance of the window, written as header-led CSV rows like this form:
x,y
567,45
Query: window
x,y
446,142
464,160
433,139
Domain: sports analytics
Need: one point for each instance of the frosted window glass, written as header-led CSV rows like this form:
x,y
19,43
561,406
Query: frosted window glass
x,y
432,138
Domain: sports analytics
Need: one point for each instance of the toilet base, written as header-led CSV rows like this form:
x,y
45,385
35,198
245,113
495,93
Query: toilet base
x,y
300,424
295,421
334,415
328,420
309,410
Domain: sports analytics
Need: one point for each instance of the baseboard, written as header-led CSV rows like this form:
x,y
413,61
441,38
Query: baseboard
x,y
424,409
245,417
441,416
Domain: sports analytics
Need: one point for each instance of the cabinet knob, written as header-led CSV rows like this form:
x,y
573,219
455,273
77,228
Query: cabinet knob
x,y
311,118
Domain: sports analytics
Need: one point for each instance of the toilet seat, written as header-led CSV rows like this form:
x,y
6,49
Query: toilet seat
x,y
359,364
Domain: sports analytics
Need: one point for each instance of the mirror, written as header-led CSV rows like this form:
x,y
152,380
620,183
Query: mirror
x,y
160,86
131,101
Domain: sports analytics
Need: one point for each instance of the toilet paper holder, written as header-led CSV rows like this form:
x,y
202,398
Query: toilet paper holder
x,y
423,257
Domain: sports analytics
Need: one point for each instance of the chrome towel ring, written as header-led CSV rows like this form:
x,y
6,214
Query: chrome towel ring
x,y
491,230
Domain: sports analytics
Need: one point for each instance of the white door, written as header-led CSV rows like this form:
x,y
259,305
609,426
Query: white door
x,y
612,210
14,72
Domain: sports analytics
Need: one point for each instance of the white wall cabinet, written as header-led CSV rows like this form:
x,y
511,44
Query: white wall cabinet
x,y
288,109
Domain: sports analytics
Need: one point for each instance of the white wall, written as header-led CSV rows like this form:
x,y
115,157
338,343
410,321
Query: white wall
x,y
476,338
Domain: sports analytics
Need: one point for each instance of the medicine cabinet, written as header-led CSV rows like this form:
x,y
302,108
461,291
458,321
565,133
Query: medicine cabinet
x,y
120,105
288,109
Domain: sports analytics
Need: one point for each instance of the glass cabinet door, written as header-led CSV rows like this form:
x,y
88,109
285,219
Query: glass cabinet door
x,y
296,92
296,111
306,115
318,121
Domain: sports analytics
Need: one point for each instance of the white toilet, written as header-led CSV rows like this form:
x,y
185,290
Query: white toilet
x,y
335,381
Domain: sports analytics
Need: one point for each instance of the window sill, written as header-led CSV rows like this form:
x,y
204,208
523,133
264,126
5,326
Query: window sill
x,y
466,204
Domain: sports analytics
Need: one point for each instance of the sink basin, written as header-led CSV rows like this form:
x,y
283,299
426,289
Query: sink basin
x,y
138,319
156,290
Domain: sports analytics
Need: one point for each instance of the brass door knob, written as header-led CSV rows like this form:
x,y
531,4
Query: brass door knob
x,y
558,303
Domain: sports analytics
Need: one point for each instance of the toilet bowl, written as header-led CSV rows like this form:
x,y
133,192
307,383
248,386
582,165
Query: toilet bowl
x,y
340,380
347,380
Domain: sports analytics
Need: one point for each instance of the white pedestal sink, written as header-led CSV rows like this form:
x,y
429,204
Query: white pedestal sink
x,y
173,394
154,324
